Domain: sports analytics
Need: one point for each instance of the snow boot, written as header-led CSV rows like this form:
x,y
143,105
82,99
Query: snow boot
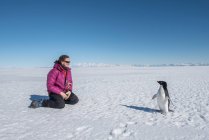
x,y
35,104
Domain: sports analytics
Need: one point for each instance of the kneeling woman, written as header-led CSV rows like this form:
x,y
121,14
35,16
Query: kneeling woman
x,y
59,85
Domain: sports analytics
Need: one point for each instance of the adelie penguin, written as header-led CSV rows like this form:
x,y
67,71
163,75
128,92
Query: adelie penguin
x,y
163,98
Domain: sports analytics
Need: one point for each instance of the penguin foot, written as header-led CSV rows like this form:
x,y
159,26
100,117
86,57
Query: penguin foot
x,y
164,113
171,110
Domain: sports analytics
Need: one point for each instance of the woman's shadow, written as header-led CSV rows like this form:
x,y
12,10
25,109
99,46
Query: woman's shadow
x,y
36,97
145,109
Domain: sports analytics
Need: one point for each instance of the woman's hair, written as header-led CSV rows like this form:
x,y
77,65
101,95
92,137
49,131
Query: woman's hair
x,y
61,58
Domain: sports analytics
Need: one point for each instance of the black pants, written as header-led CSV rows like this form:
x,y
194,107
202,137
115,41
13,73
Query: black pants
x,y
56,101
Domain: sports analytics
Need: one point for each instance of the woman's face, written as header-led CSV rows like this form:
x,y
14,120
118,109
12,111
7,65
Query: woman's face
x,y
66,62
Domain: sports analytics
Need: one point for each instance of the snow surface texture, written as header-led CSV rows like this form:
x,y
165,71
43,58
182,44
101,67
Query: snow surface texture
x,y
115,103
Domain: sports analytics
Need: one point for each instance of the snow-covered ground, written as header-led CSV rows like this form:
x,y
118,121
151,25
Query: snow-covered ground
x,y
115,103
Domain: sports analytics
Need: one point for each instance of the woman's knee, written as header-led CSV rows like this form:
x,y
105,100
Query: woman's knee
x,y
72,100
75,101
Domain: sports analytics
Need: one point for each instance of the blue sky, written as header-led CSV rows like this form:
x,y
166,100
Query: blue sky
x,y
36,32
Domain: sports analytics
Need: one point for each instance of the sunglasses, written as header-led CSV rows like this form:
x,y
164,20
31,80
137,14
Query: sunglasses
x,y
67,62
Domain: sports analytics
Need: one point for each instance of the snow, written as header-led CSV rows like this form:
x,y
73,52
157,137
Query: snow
x,y
115,103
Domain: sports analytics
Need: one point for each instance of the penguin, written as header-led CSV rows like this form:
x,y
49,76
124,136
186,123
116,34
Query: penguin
x,y
163,98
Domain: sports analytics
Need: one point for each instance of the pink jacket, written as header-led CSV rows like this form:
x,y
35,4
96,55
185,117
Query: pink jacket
x,y
56,81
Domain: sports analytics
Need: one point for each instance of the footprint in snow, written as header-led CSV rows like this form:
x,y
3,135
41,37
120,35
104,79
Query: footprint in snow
x,y
79,131
121,131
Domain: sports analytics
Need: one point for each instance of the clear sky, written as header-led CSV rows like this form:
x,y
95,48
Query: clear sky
x,y
36,32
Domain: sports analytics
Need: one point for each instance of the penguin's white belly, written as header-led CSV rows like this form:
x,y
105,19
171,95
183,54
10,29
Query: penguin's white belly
x,y
162,103
162,100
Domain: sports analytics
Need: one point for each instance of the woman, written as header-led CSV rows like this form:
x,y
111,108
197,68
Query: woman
x,y
59,86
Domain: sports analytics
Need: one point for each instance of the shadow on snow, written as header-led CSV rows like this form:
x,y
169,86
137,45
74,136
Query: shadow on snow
x,y
145,109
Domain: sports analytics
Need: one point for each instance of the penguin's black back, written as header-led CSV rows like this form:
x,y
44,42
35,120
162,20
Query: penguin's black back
x,y
166,92
164,84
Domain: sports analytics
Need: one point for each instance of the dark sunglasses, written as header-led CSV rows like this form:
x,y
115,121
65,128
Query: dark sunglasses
x,y
67,62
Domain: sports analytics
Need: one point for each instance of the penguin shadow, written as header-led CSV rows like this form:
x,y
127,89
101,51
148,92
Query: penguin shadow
x,y
35,97
145,109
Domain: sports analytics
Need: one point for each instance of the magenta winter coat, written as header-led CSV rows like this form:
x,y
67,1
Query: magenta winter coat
x,y
56,80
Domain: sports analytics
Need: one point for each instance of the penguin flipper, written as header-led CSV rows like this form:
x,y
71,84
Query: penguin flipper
x,y
154,96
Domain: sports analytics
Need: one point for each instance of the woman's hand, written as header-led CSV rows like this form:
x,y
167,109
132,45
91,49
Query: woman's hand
x,y
64,96
68,94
